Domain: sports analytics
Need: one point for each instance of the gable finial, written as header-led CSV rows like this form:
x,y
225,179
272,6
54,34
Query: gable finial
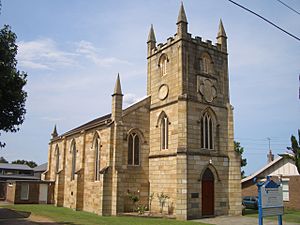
x,y
54,133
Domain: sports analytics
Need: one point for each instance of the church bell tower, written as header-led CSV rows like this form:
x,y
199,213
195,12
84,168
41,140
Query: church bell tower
x,y
191,123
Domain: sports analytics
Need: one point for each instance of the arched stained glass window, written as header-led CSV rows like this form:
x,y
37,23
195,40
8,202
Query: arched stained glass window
x,y
57,159
207,128
73,151
97,147
164,132
133,149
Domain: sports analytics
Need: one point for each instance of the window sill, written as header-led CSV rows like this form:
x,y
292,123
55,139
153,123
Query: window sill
x,y
133,165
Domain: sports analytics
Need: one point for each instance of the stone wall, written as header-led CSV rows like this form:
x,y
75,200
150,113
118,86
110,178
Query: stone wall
x,y
163,179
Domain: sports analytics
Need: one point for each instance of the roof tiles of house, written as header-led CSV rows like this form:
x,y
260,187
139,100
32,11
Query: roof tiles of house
x,y
41,168
10,166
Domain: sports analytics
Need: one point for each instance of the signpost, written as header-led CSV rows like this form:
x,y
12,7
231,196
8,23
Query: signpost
x,y
270,200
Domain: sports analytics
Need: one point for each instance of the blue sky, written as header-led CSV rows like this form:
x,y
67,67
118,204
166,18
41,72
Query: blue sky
x,y
73,50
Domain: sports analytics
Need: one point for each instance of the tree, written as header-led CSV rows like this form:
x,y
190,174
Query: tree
x,y
3,160
12,81
31,164
295,150
239,149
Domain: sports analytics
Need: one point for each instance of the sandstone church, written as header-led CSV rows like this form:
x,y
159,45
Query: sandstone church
x,y
178,140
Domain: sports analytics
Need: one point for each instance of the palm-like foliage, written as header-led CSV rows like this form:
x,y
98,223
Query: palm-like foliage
x,y
295,150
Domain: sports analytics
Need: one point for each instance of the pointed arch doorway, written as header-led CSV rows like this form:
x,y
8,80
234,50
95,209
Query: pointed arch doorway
x,y
208,190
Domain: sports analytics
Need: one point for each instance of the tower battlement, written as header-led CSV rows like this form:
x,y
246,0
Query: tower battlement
x,y
183,35
195,40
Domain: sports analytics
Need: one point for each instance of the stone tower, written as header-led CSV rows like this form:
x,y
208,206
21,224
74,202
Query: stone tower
x,y
191,124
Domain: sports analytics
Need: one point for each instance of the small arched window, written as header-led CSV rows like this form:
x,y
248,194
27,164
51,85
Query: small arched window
x,y
163,62
206,64
164,126
73,152
97,147
207,127
133,149
57,158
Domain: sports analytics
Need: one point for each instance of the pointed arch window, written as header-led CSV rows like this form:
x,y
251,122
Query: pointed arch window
x,y
73,152
163,62
57,159
207,140
133,149
206,64
97,147
164,126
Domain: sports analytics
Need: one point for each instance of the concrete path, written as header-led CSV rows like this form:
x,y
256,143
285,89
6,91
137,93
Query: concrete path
x,y
239,220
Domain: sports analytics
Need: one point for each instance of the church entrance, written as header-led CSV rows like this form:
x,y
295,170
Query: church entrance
x,y
208,193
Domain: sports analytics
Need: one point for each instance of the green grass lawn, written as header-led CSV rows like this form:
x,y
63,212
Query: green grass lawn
x,y
69,216
289,215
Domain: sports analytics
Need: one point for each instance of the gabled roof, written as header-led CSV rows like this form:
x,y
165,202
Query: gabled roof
x,y
105,119
269,165
11,166
92,123
41,168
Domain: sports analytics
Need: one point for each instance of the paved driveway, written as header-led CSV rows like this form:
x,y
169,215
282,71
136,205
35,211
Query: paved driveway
x,y
239,220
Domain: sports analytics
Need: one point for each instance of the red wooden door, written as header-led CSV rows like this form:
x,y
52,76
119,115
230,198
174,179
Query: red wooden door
x,y
208,193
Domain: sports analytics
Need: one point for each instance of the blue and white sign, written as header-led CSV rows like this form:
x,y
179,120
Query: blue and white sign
x,y
271,197
270,200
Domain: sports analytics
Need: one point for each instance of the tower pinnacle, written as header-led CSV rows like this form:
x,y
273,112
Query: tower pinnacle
x,y
118,90
117,101
221,32
181,15
221,37
151,36
181,22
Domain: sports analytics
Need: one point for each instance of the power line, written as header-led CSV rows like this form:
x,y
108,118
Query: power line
x,y
263,18
286,5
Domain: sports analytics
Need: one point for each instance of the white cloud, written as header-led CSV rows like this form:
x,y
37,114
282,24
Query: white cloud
x,y
43,54
129,99
88,50
46,54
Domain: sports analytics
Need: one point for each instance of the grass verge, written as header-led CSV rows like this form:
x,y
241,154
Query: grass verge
x,y
69,216
292,216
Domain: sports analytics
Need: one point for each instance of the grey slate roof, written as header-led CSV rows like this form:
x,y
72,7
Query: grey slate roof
x,y
41,168
14,166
